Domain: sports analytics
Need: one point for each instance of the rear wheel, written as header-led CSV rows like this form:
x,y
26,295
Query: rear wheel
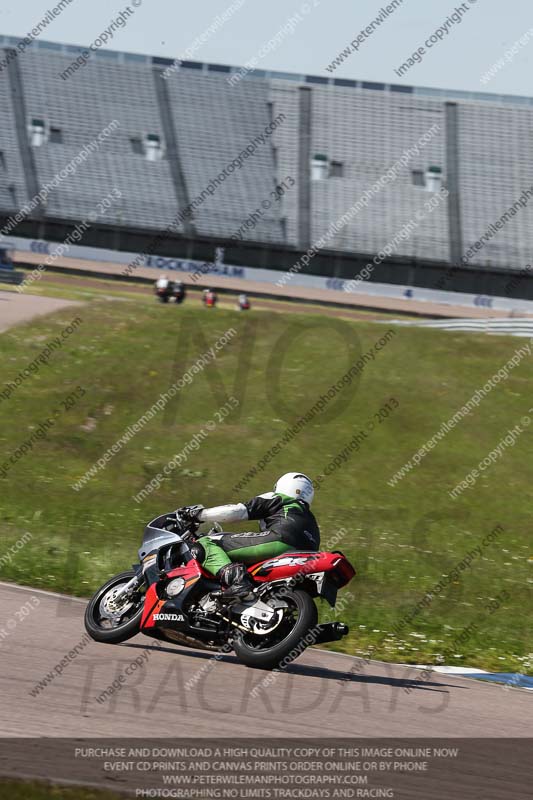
x,y
286,641
109,621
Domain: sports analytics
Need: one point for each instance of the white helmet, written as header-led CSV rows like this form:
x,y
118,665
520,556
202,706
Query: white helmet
x,y
297,486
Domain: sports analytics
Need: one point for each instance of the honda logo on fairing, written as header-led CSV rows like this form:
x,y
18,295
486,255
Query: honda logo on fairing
x,y
169,618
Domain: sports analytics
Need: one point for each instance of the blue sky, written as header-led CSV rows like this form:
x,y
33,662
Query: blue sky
x,y
167,27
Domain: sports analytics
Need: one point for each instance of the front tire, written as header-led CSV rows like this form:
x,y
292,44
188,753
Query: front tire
x,y
257,651
101,628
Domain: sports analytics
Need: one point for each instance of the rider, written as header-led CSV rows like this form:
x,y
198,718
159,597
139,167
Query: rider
x,y
179,291
287,524
210,298
243,302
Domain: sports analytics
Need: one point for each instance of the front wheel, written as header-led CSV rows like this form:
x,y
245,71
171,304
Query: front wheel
x,y
107,621
286,641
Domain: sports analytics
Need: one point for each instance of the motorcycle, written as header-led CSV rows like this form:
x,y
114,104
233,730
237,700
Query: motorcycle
x,y
178,292
170,597
209,298
173,290
164,293
243,303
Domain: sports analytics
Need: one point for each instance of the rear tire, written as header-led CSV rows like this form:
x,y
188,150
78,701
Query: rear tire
x,y
124,630
290,647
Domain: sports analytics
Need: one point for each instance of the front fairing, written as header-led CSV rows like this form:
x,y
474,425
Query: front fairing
x,y
156,536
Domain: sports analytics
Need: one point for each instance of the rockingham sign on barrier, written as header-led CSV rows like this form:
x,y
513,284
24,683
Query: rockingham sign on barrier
x,y
271,276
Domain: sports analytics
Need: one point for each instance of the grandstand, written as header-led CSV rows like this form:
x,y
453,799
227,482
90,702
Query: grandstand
x,y
335,137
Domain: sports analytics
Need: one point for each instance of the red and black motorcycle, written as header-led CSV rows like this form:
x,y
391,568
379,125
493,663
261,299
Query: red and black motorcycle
x,y
169,596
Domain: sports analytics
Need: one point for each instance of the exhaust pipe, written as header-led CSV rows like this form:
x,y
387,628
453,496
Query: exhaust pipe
x,y
331,632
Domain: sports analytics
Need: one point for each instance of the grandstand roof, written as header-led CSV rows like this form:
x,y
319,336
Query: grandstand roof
x,y
422,91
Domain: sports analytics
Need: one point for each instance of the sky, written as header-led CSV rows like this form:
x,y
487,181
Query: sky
x,y
319,31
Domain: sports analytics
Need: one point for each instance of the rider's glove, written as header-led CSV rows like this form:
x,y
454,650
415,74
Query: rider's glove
x,y
190,513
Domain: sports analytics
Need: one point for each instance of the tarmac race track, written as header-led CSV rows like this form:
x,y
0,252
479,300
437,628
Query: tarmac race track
x,y
316,696
16,308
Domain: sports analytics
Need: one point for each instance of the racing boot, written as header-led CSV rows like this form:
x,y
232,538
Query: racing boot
x,y
235,581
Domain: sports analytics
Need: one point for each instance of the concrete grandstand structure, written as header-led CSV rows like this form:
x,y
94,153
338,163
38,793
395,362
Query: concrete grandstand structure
x,y
335,138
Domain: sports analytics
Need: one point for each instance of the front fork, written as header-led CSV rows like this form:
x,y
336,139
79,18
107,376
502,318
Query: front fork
x,y
129,588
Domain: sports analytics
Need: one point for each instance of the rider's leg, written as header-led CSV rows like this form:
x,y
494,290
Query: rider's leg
x,y
233,576
215,557
246,549
254,547
226,557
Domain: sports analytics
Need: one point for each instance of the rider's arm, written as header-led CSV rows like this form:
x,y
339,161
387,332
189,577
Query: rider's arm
x,y
233,512
264,505
257,508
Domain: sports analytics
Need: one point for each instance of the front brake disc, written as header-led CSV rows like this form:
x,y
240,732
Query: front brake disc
x,y
111,610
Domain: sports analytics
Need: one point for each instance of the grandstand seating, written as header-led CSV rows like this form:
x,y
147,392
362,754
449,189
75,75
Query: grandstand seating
x,y
82,107
363,128
495,168
13,193
372,132
214,122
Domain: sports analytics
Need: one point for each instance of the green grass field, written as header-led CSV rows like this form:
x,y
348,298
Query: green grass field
x,y
22,790
402,539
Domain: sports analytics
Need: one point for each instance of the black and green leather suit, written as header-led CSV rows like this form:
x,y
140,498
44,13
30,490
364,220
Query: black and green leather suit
x,y
285,525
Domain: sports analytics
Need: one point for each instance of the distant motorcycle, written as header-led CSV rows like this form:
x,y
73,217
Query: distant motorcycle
x,y
209,297
178,292
243,302
166,290
163,289
169,596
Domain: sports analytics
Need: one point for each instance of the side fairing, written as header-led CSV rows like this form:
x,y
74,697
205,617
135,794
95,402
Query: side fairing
x,y
289,565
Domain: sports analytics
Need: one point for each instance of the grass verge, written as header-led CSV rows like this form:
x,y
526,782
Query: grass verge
x,y
403,539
